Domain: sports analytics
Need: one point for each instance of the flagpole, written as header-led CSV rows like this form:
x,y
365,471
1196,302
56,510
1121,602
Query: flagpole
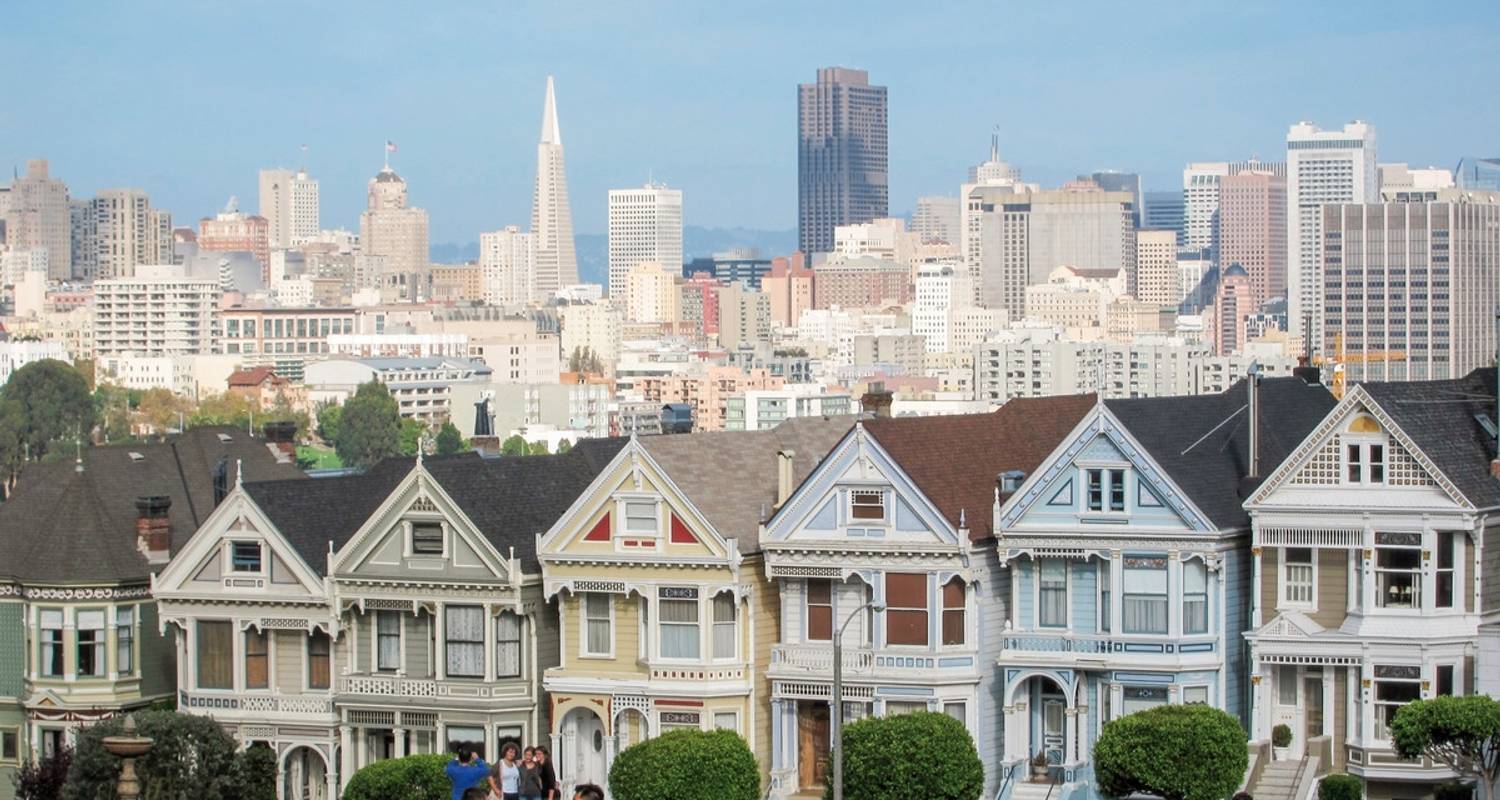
x,y
387,149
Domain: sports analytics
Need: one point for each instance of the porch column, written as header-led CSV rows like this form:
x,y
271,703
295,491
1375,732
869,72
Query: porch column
x,y
1085,738
361,747
1328,701
565,771
1017,731
440,635
1255,611
399,748
1070,735
776,755
346,755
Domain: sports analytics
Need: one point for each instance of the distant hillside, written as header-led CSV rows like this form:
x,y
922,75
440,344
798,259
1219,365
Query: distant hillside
x,y
593,248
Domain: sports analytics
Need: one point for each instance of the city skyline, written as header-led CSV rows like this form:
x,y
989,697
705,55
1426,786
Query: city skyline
x,y
466,129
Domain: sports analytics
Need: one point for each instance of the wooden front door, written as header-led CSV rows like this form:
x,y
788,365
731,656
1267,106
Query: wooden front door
x,y
813,731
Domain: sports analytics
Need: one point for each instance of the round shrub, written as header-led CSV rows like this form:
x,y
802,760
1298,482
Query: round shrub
x,y
418,777
1341,786
686,765
1177,752
1281,736
1453,790
939,759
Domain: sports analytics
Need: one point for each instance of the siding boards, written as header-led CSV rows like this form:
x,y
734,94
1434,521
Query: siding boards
x,y
1333,588
288,677
1270,560
416,644
12,649
992,596
1236,592
158,655
765,610
1085,596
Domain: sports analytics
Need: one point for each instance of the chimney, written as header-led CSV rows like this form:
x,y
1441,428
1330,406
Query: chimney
x,y
1009,483
153,527
784,461
1253,380
1309,374
877,400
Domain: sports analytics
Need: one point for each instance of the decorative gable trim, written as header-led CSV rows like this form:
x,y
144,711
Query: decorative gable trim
x,y
600,531
680,534
237,510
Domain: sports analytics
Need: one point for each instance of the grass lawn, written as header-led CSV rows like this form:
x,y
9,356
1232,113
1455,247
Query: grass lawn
x,y
322,458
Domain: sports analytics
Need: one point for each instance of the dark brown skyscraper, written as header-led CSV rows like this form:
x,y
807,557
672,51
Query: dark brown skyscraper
x,y
843,169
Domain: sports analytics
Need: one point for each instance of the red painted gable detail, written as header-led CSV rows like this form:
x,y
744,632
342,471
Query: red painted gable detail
x,y
600,531
680,533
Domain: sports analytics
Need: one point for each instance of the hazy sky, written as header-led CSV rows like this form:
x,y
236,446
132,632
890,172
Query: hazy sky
x,y
187,100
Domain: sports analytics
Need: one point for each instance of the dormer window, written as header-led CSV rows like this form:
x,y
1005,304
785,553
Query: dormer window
x,y
245,556
867,505
1364,452
427,539
1106,490
640,518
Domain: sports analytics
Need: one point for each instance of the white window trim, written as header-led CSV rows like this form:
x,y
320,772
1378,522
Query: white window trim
x,y
400,669
15,731
1083,490
104,673
1036,598
520,642
583,626
1208,694
705,629
270,686
1426,575
229,571
886,515
734,712
735,651
409,527
113,637
1363,441
1281,581
934,606
237,678
621,525
1208,595
306,648
833,588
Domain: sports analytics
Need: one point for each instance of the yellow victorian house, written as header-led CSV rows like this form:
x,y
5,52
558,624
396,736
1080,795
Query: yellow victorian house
x,y
666,617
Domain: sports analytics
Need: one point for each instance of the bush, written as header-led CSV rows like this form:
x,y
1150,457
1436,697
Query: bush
x,y
43,779
1453,790
1281,736
948,767
192,758
1341,786
1177,752
686,765
255,772
418,777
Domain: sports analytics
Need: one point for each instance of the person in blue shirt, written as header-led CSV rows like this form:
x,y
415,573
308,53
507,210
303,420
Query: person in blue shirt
x,y
466,770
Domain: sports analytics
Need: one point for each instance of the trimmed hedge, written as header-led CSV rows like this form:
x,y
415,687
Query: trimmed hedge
x,y
923,754
418,777
1177,752
686,765
1341,786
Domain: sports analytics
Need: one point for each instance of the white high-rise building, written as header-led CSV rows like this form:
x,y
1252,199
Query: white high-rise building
x,y
36,217
992,173
551,218
1156,280
156,311
506,259
1322,167
289,202
944,314
645,224
1200,205
115,233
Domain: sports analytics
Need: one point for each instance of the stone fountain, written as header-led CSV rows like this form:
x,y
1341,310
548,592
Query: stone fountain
x,y
128,747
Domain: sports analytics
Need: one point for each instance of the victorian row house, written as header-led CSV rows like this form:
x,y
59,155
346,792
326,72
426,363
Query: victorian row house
x,y
666,619
346,620
80,538
1375,576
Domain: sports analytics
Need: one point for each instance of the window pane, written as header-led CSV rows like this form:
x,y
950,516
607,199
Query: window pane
x,y
867,505
953,594
819,590
906,627
215,649
508,645
465,641
257,673
319,674
388,644
679,628
1195,695
427,538
598,638
906,590
820,623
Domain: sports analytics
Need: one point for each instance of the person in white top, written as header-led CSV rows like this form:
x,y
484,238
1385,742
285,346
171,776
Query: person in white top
x,y
505,776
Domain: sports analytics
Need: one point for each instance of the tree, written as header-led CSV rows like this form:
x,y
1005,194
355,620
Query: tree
x,y
45,405
514,445
537,449
44,778
449,440
225,408
949,768
1177,752
418,777
1340,786
191,758
162,409
411,435
1461,732
369,427
686,765
113,407
329,416
564,446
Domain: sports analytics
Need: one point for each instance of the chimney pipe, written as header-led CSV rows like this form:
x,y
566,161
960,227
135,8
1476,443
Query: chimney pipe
x,y
877,400
1254,388
784,461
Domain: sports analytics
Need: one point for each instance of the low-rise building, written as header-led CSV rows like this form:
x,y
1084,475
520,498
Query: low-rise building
x,y
16,354
763,409
422,386
284,339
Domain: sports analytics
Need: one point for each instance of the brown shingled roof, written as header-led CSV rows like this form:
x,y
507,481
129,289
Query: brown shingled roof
x,y
251,377
955,459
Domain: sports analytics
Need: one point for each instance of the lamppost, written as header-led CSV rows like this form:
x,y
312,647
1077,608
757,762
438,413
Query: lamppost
x,y
838,698
128,747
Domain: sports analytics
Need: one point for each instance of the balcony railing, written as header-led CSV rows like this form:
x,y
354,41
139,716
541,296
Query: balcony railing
x,y
817,659
295,705
1104,644
393,686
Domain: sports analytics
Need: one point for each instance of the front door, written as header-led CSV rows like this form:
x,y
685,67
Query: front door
x,y
583,748
1052,727
1312,703
1288,708
813,731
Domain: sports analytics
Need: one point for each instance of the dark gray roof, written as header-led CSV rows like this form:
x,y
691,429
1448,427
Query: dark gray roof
x,y
731,476
509,499
1442,418
62,526
1211,463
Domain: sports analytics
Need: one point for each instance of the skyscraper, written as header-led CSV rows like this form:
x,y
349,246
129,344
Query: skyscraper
x,y
394,231
551,218
1200,206
645,224
1252,230
1478,173
1156,280
937,219
38,218
1321,167
116,232
1164,210
506,261
843,170
289,202
1115,181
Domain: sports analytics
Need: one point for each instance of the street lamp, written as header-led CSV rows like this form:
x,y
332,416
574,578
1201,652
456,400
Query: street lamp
x,y
838,698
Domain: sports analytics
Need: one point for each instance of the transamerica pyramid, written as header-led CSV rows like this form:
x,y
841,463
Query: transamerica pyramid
x,y
551,218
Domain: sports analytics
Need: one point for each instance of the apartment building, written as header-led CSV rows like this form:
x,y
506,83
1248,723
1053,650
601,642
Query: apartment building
x,y
157,312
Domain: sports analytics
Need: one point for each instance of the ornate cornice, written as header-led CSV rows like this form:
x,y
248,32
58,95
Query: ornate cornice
x,y
67,593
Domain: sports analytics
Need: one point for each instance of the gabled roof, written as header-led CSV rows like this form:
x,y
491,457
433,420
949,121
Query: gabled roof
x,y
62,526
955,460
731,476
1202,442
251,377
1442,420
509,499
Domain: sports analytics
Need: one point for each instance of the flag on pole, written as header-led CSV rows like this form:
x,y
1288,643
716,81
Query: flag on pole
x,y
390,146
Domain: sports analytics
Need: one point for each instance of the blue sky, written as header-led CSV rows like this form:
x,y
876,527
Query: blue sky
x,y
188,100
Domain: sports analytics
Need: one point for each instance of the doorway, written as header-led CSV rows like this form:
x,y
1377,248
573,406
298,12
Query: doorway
x,y
583,756
814,728
1298,693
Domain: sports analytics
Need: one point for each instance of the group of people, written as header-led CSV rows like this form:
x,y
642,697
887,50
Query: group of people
x,y
518,775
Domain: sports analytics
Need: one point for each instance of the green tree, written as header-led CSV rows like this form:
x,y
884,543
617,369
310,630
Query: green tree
x,y
449,440
514,445
1177,752
564,446
162,409
686,765
225,408
329,416
418,777
1460,732
369,427
1341,786
43,778
537,449
44,406
191,758
412,432
949,767
113,407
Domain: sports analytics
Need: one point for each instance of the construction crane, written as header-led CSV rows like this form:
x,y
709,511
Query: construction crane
x,y
1338,362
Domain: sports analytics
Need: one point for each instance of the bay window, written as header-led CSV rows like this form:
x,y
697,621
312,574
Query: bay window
x,y
214,651
953,612
463,627
1297,576
91,643
1052,596
257,660
508,645
125,640
1447,558
1395,686
724,627
1144,601
387,641
1398,570
598,624
819,610
1194,597
906,608
319,661
678,617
